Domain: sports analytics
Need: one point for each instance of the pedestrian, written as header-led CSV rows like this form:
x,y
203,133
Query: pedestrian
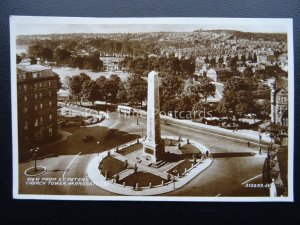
x,y
207,152
259,150
248,143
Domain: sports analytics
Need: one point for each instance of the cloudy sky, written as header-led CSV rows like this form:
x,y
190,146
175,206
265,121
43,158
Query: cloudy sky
x,y
40,25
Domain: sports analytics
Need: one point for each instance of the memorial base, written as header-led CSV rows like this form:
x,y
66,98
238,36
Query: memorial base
x,y
153,151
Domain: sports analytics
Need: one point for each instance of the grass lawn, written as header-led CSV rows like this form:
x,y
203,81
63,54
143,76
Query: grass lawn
x,y
189,149
180,167
71,129
130,149
143,178
111,164
283,164
74,143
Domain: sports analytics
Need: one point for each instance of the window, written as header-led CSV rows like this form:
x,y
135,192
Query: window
x,y
49,83
25,87
25,98
35,96
50,131
35,86
41,95
34,75
41,105
50,118
41,120
40,85
50,103
50,93
25,110
35,107
36,122
26,125
38,134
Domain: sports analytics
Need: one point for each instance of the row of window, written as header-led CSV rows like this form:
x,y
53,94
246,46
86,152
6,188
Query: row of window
x,y
281,109
37,107
38,135
37,85
38,121
283,99
36,96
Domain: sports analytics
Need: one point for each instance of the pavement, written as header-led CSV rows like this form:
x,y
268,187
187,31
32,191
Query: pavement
x,y
250,135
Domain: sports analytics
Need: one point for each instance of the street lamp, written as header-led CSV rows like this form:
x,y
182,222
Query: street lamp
x,y
34,152
98,142
174,182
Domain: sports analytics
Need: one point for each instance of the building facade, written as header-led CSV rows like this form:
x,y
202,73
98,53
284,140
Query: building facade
x,y
279,105
37,88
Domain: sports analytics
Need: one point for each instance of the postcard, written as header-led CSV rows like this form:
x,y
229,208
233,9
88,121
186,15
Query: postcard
x,y
152,109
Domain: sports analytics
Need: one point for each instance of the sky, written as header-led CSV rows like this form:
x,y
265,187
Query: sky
x,y
77,26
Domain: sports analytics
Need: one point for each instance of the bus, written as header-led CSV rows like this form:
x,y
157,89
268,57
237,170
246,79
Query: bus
x,y
125,109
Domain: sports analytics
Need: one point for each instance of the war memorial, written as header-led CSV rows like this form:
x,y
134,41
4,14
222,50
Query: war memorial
x,y
150,165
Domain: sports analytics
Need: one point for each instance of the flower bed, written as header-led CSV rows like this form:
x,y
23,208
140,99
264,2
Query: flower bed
x,y
189,149
112,165
130,149
181,167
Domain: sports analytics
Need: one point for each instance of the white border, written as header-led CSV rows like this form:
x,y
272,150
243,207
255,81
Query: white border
x,y
288,23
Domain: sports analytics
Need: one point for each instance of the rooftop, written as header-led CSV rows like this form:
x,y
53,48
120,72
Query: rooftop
x,y
33,68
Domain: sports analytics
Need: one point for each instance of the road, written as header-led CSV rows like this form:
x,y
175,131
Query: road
x,y
233,167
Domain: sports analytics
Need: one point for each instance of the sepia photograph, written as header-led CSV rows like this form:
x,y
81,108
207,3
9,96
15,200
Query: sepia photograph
x,y
152,109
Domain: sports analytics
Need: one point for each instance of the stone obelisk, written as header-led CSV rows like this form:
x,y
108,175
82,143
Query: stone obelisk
x,y
153,146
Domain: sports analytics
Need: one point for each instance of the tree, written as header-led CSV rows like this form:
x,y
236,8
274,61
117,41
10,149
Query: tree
x,y
206,59
175,65
101,81
243,58
220,61
62,56
95,64
33,61
213,62
109,87
136,89
46,54
171,86
248,72
90,90
237,97
188,66
171,106
122,95
76,83
18,59
204,87
255,58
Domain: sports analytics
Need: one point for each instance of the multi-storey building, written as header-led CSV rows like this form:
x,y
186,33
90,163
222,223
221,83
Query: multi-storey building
x,y
279,105
37,106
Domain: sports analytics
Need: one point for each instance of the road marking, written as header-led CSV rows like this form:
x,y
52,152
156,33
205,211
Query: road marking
x,y
217,195
216,134
251,179
63,176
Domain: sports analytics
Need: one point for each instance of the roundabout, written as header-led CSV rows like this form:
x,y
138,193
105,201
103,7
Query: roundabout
x,y
35,171
124,171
